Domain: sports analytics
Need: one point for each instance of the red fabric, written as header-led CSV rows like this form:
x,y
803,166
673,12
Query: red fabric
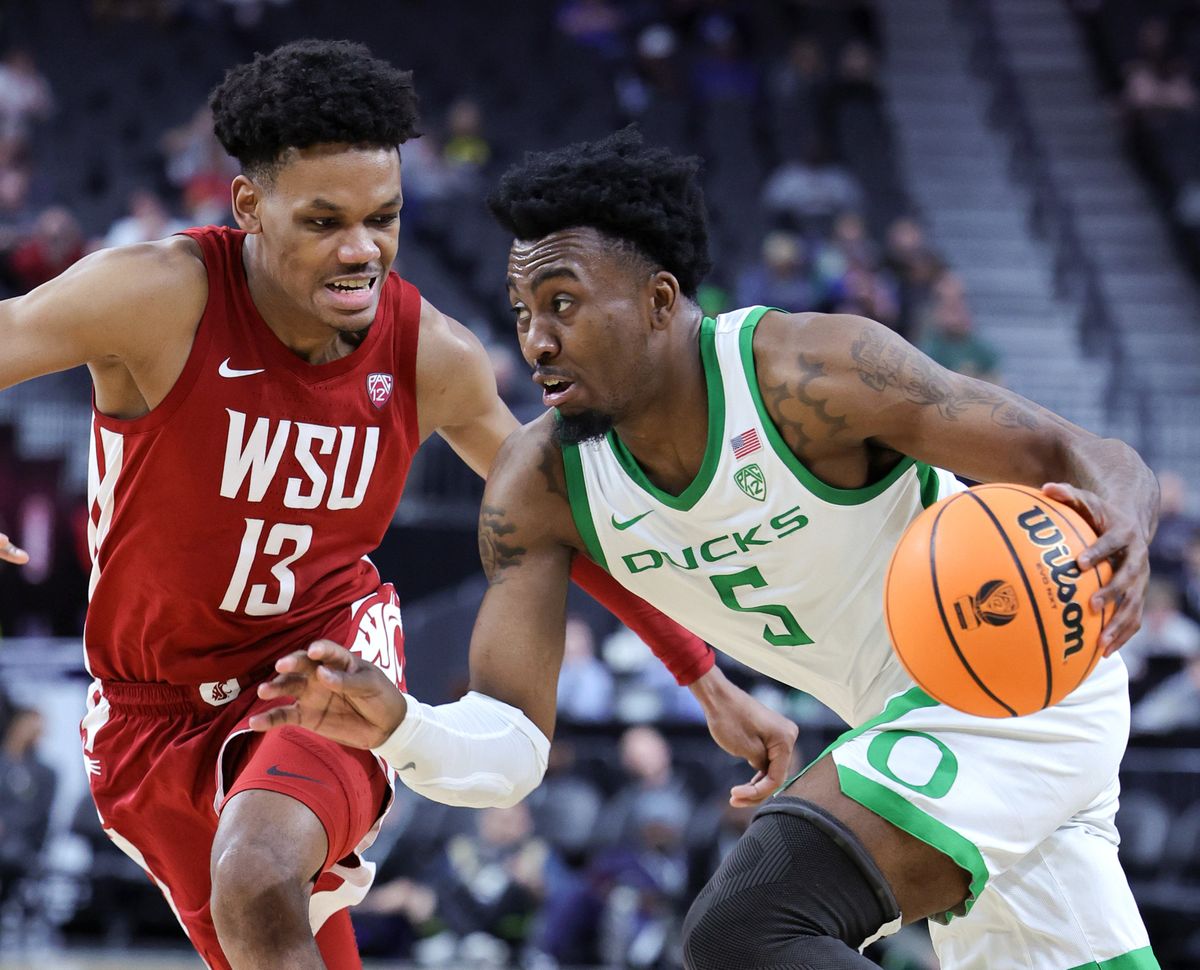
x,y
159,766
684,654
337,944
232,523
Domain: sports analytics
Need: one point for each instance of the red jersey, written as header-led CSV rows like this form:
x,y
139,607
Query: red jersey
x,y
232,523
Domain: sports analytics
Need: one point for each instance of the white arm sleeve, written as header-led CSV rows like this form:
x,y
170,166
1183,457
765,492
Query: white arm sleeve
x,y
478,752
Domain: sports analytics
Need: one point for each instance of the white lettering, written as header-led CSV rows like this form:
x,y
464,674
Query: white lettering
x,y
306,434
337,493
253,457
281,532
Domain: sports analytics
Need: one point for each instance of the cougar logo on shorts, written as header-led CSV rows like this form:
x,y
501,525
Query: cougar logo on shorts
x,y
220,693
379,388
995,604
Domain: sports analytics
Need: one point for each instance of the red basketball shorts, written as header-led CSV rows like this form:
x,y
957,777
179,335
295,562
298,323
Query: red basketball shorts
x,y
163,759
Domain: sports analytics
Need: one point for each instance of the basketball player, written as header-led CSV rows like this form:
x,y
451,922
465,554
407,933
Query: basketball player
x,y
259,394
750,475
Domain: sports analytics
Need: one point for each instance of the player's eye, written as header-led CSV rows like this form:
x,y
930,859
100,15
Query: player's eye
x,y
521,314
386,219
560,304
320,223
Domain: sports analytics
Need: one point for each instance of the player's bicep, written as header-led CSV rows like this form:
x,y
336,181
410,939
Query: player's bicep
x,y
908,402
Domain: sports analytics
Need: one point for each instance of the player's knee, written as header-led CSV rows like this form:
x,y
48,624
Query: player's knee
x,y
256,889
797,888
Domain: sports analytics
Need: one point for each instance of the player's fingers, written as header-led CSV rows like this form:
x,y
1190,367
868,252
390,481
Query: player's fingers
x,y
1086,503
276,717
283,685
332,678
751,793
1125,622
10,552
295,662
330,654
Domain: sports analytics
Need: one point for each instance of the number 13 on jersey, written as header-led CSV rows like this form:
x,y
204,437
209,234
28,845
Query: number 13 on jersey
x,y
280,536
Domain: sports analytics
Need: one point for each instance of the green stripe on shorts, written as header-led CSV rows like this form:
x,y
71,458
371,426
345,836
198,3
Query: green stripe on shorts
x,y
1142,959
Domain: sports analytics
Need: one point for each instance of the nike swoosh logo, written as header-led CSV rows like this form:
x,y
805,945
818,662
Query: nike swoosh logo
x,y
411,764
226,371
622,526
280,773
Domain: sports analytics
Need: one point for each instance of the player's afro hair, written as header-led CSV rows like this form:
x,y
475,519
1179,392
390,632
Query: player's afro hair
x,y
311,92
646,197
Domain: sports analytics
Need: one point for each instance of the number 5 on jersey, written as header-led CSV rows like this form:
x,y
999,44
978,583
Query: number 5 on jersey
x,y
793,634
257,604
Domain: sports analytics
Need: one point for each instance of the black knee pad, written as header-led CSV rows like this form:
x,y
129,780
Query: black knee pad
x,y
798,889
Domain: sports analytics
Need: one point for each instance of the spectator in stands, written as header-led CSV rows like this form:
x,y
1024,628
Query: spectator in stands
x,y
868,293
649,768
466,148
585,684
1157,82
949,336
199,168
1190,582
783,276
25,95
915,267
27,786
807,193
54,243
652,76
490,885
1166,640
148,219
1177,527
595,24
1174,705
15,175
723,71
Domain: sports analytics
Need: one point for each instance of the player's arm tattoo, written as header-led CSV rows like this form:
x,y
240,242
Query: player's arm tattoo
x,y
792,402
496,550
884,364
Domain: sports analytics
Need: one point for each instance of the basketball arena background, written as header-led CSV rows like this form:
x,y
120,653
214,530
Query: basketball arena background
x,y
1012,184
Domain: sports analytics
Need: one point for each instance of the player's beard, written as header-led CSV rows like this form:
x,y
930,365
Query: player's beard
x,y
575,429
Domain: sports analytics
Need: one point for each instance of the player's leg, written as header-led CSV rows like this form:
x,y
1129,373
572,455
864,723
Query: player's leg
x,y
267,853
298,809
814,878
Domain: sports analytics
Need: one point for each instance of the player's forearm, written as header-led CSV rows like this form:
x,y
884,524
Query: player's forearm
x,y
477,752
684,654
1113,470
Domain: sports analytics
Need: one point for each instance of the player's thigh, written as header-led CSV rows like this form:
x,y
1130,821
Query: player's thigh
x,y
1066,904
344,790
924,880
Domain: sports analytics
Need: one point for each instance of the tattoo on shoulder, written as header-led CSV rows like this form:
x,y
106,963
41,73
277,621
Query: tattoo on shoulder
x,y
496,550
792,402
893,364
551,467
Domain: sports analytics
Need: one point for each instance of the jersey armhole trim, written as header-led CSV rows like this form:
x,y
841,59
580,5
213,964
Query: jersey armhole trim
x,y
581,510
829,493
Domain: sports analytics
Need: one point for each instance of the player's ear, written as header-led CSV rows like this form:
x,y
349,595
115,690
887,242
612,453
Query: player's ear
x,y
246,198
664,298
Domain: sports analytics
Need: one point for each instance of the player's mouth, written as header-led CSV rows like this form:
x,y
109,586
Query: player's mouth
x,y
352,292
556,391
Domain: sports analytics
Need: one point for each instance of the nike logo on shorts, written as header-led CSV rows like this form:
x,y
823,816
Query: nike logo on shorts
x,y
280,773
226,371
411,764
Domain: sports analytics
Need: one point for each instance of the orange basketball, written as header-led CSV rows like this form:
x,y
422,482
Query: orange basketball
x,y
985,603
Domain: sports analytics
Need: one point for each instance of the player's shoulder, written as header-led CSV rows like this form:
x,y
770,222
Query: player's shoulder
x,y
529,472
168,274
827,343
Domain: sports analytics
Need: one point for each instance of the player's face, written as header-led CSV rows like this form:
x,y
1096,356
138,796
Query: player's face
x,y
329,222
583,321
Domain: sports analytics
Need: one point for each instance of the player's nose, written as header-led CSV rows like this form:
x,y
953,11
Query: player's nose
x,y
357,247
540,341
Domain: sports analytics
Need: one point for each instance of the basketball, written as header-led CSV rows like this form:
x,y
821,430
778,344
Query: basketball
x,y
986,606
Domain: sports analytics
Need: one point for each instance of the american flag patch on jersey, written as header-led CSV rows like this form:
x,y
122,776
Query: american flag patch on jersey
x,y
745,444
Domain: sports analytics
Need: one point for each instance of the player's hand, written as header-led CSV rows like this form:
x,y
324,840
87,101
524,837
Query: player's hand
x,y
335,694
1122,540
750,730
9,551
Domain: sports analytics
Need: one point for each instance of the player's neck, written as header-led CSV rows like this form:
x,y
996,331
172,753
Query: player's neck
x,y
668,432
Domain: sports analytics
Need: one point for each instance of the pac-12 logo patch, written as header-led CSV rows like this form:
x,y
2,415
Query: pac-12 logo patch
x,y
379,389
996,604
752,481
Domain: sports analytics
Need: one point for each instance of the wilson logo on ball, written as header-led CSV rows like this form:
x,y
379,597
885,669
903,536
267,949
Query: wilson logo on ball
x,y
1063,573
995,604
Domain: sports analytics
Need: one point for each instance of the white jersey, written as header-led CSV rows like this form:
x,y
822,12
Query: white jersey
x,y
758,556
